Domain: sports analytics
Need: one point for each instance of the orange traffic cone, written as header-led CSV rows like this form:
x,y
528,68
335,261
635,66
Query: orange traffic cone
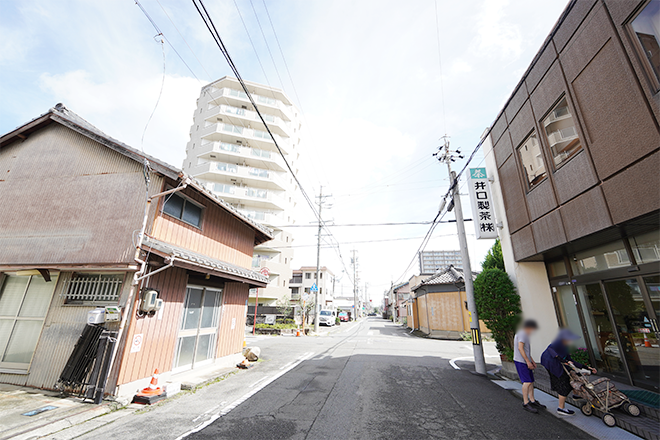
x,y
297,332
151,394
647,343
153,389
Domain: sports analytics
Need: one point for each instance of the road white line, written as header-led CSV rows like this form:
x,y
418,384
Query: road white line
x,y
452,362
285,366
207,411
260,380
245,397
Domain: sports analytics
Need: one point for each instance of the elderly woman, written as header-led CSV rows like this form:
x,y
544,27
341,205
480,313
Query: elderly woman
x,y
552,358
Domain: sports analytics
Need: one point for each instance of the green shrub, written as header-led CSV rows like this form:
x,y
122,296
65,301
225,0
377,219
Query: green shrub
x,y
466,336
494,258
499,307
337,320
580,355
276,326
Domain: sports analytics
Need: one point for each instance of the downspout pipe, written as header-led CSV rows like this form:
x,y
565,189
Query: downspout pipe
x,y
139,275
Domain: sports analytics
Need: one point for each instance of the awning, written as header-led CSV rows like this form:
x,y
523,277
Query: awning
x,y
201,263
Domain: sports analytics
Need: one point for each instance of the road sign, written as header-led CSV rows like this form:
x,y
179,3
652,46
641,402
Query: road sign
x,y
314,288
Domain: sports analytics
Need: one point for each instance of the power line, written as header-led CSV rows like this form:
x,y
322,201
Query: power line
x,y
208,21
153,23
251,42
267,46
374,224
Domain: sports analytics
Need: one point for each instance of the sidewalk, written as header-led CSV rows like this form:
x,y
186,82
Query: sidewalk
x,y
591,425
31,413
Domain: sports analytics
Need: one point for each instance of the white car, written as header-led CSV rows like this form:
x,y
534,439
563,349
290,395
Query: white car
x,y
327,317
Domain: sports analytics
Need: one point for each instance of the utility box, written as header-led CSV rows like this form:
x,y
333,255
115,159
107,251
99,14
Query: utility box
x,y
96,316
112,313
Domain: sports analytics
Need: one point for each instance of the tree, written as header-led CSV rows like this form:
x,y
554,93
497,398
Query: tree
x,y
494,258
284,305
499,307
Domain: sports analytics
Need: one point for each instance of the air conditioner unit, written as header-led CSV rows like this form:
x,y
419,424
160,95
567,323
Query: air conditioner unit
x,y
148,300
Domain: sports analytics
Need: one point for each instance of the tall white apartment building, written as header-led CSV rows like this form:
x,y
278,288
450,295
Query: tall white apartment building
x,y
432,261
231,152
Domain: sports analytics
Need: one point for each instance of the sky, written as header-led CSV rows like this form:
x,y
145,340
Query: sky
x,y
378,84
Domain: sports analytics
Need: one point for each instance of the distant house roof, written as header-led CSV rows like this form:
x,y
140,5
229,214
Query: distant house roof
x,y
448,275
66,117
185,256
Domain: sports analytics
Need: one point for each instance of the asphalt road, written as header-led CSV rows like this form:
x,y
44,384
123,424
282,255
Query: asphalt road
x,y
369,380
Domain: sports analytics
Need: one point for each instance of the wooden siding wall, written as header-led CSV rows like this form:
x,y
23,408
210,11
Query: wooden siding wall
x,y
68,200
233,307
62,328
446,311
222,235
159,335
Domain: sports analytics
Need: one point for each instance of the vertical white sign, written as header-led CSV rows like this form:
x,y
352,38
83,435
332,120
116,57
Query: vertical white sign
x,y
233,323
482,204
137,343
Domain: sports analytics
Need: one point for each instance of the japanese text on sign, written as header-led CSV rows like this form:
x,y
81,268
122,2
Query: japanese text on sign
x,y
482,204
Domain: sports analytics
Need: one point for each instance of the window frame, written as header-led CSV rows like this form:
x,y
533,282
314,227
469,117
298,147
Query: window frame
x,y
651,76
522,169
24,367
571,109
186,200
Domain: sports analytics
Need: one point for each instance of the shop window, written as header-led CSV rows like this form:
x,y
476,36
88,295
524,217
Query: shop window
x,y
609,256
532,161
183,209
646,247
646,27
24,302
561,133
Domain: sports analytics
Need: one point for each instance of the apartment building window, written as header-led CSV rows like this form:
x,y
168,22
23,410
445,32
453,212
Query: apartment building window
x,y
532,161
646,27
561,133
183,209
321,275
308,276
295,290
307,290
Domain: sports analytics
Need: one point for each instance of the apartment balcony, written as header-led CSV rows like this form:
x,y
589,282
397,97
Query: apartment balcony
x,y
562,135
243,117
267,218
254,197
232,153
223,132
266,104
223,172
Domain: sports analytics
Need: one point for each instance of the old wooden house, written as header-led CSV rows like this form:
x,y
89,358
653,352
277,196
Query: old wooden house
x,y
87,222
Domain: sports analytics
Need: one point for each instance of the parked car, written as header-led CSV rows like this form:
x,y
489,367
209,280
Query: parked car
x,y
343,316
327,317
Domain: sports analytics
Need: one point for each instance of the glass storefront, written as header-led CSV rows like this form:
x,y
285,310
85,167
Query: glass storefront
x,y
611,296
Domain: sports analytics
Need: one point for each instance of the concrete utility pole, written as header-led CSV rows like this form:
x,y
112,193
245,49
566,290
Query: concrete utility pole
x,y
446,155
318,265
355,287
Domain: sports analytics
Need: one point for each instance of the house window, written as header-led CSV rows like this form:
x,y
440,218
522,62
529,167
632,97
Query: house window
x,y
308,275
183,209
307,290
532,161
24,302
321,275
646,27
295,290
561,133
89,288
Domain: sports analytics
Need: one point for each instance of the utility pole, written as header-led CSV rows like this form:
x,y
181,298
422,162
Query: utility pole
x,y
355,287
446,155
318,264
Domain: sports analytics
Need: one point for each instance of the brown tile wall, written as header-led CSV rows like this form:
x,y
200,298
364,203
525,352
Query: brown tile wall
x,y
591,59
